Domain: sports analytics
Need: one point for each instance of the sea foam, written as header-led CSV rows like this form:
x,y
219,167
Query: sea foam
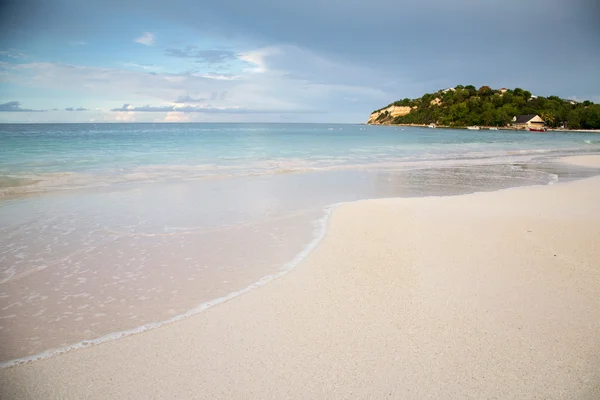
x,y
319,232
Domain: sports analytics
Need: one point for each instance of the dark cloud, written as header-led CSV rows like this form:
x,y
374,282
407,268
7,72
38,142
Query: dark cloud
x,y
76,109
213,56
434,42
15,106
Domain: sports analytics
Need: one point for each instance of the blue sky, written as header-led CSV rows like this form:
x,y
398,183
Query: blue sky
x,y
281,61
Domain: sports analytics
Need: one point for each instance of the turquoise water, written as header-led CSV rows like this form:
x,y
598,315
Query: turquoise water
x,y
45,156
114,228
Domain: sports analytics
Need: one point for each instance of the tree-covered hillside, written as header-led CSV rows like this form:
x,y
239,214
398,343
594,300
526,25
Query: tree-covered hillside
x,y
466,105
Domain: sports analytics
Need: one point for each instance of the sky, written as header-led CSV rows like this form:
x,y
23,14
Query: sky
x,y
281,61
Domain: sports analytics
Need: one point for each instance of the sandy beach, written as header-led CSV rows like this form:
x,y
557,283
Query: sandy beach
x,y
591,161
484,296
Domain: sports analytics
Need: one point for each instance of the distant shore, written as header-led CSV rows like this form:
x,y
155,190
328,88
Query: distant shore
x,y
503,128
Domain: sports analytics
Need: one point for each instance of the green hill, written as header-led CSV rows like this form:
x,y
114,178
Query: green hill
x,y
466,105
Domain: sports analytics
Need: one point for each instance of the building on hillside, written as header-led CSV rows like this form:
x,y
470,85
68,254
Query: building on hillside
x,y
529,121
503,90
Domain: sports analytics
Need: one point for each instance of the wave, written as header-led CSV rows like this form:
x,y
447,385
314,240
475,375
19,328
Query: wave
x,y
321,226
319,232
18,184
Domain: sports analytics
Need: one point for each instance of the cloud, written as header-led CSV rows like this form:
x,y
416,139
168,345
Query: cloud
x,y
292,84
178,108
221,77
125,117
76,109
188,99
141,66
147,39
128,108
211,56
257,59
109,82
176,117
15,106
376,51
12,53
457,46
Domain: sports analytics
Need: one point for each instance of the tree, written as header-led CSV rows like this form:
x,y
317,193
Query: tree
x,y
467,106
488,113
448,97
501,117
497,100
402,103
591,117
484,91
519,101
562,115
507,98
574,120
510,110
548,117
458,113
460,95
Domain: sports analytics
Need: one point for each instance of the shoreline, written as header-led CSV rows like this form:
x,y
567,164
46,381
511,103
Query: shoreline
x,y
486,128
35,190
205,293
321,227
318,235
69,360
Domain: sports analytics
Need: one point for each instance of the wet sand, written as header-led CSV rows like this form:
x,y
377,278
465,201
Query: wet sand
x,y
92,264
488,295
582,161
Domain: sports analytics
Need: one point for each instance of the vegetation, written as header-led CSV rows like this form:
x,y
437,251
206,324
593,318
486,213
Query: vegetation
x,y
467,105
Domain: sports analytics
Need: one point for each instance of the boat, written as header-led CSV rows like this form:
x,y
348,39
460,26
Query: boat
x,y
473,128
493,128
431,126
537,129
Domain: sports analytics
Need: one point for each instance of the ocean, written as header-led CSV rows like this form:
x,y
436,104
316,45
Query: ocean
x,y
111,229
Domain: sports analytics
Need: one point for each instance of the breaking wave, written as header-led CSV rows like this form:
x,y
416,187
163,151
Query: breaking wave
x,y
16,184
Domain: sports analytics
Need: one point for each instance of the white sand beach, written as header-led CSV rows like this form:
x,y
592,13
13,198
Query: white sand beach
x,y
582,161
482,296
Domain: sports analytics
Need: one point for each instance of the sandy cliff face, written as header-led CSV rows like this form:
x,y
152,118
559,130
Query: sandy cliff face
x,y
392,112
